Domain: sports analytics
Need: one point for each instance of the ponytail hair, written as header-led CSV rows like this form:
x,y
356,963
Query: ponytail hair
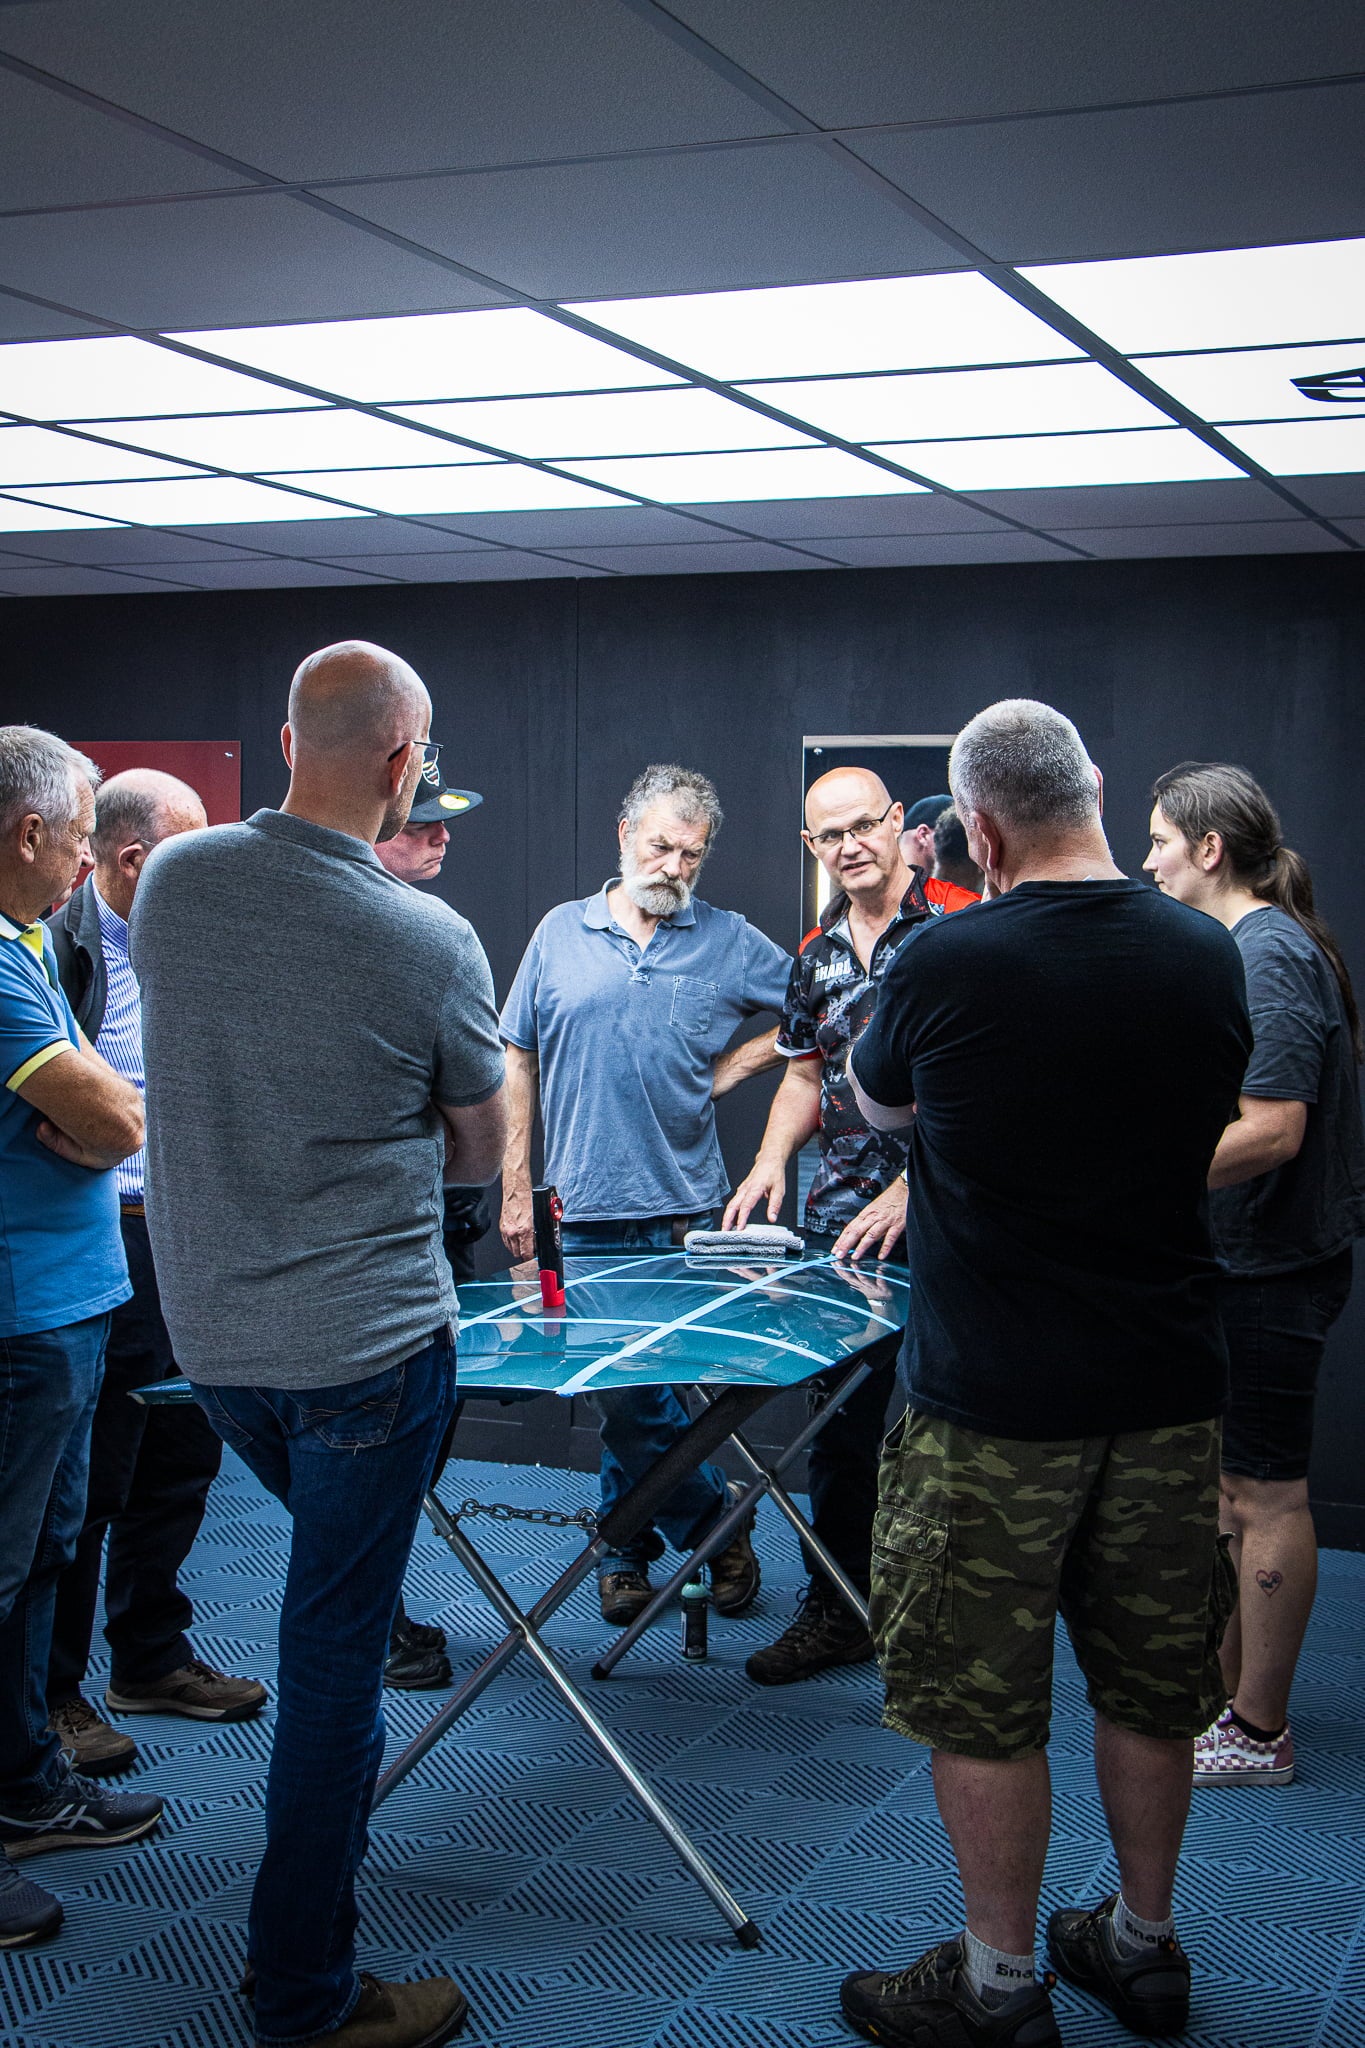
x,y
1212,796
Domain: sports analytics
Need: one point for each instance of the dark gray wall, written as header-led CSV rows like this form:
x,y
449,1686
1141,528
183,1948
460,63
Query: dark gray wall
x,y
549,697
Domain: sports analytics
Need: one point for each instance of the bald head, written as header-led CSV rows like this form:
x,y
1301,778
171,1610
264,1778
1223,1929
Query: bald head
x,y
841,789
355,701
144,806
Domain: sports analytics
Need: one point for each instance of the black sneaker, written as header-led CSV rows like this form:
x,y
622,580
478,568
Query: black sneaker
x,y
27,1912
78,1814
417,1660
823,1633
932,2001
1149,1992
735,1572
623,1595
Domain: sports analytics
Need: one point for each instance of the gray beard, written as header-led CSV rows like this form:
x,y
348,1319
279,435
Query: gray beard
x,y
657,896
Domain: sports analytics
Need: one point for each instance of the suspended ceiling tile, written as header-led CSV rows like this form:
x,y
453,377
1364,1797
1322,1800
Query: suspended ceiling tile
x,y
56,151
784,213
812,518
1267,167
20,321
215,262
113,545
72,581
457,566
342,88
711,559
281,575
1334,496
1356,529
886,551
331,537
1253,537
586,528
508,565
881,60
1226,498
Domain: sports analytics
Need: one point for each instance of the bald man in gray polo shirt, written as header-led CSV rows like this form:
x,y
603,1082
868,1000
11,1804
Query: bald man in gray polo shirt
x,y
619,1018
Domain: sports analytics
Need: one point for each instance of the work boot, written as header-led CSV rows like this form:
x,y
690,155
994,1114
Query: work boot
x,y
822,1633
97,1750
624,1594
1149,1991
735,1572
420,2015
194,1689
932,2001
27,1912
417,1660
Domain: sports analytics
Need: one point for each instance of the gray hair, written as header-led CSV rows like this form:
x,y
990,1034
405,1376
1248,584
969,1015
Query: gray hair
x,y
692,796
38,775
1025,764
123,812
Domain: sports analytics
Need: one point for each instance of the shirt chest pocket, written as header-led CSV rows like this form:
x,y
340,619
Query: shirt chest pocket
x,y
694,1004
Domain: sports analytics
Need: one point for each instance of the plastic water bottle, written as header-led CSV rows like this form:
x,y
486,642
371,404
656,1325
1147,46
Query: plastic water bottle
x,y
694,1604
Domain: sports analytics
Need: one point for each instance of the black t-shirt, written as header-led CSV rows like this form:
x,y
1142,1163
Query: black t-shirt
x,y
1312,1207
1074,1050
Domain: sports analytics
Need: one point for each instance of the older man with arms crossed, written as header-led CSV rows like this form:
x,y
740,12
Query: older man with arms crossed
x,y
618,1018
346,1024
1065,1058
858,1194
150,1468
66,1120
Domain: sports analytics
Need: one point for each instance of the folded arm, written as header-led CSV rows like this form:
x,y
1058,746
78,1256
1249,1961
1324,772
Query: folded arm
x,y
1265,1134
90,1115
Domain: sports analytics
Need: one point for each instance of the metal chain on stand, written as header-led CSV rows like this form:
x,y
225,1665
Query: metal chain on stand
x,y
503,1511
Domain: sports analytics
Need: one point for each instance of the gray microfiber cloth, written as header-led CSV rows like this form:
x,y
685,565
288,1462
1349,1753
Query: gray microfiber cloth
x,y
756,1240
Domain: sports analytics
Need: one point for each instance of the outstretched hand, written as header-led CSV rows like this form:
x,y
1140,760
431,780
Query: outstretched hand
x,y
875,1229
763,1183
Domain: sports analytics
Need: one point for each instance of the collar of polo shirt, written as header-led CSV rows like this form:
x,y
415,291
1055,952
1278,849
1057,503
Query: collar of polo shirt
x,y
598,913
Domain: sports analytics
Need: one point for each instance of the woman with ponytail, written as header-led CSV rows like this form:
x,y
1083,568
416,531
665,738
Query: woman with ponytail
x,y
1287,1199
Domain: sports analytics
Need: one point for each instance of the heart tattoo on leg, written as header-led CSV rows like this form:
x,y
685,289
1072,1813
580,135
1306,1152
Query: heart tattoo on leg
x,y
1270,1582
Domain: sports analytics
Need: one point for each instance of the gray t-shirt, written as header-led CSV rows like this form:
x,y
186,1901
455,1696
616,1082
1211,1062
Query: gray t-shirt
x,y
1313,1206
301,1010
627,1041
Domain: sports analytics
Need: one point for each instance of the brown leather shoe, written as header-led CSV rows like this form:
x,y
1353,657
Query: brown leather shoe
x,y
735,1572
97,1750
421,2015
196,1690
623,1596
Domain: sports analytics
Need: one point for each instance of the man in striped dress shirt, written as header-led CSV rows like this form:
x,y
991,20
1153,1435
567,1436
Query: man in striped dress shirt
x,y
150,1469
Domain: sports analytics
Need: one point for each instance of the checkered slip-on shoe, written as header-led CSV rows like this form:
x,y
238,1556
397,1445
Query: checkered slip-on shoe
x,y
1226,1755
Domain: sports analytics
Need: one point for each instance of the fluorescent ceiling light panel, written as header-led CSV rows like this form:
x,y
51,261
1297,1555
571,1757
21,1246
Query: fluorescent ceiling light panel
x,y
1044,460
1258,384
734,479
35,455
602,423
325,438
1227,298
433,355
812,330
116,377
206,501
948,404
19,518
1305,447
469,487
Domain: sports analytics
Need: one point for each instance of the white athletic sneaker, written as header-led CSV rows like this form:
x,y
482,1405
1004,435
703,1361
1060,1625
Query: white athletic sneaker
x,y
1226,1755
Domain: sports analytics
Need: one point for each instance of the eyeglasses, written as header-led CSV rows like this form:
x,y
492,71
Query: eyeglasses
x,y
431,755
827,842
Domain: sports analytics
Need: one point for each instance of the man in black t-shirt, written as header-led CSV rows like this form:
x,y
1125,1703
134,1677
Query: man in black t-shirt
x,y
1064,1058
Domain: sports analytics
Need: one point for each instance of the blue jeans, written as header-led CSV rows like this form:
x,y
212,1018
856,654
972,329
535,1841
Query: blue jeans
x,y
351,1464
640,1423
49,1383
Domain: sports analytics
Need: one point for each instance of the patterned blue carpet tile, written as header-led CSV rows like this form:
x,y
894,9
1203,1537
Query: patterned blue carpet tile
x,y
513,1857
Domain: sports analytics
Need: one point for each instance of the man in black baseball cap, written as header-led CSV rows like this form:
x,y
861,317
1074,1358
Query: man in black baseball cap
x,y
917,833
415,854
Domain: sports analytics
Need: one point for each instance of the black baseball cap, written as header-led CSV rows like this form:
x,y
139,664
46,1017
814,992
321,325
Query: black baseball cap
x,y
439,806
926,812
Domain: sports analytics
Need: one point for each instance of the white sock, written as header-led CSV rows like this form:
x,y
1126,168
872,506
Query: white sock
x,y
993,1974
1132,1935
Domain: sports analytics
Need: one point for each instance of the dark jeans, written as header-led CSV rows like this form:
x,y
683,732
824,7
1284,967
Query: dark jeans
x,y
150,1474
843,1462
49,1383
640,1423
351,1464
1276,1326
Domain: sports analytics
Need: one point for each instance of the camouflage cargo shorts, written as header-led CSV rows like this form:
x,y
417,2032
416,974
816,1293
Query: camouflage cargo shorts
x,y
979,1541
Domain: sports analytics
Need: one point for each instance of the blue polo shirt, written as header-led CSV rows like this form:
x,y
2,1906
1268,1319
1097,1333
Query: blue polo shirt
x,y
627,1038
61,1249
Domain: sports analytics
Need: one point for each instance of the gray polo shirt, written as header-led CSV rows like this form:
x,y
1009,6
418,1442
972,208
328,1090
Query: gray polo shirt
x,y
301,1009
627,1039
